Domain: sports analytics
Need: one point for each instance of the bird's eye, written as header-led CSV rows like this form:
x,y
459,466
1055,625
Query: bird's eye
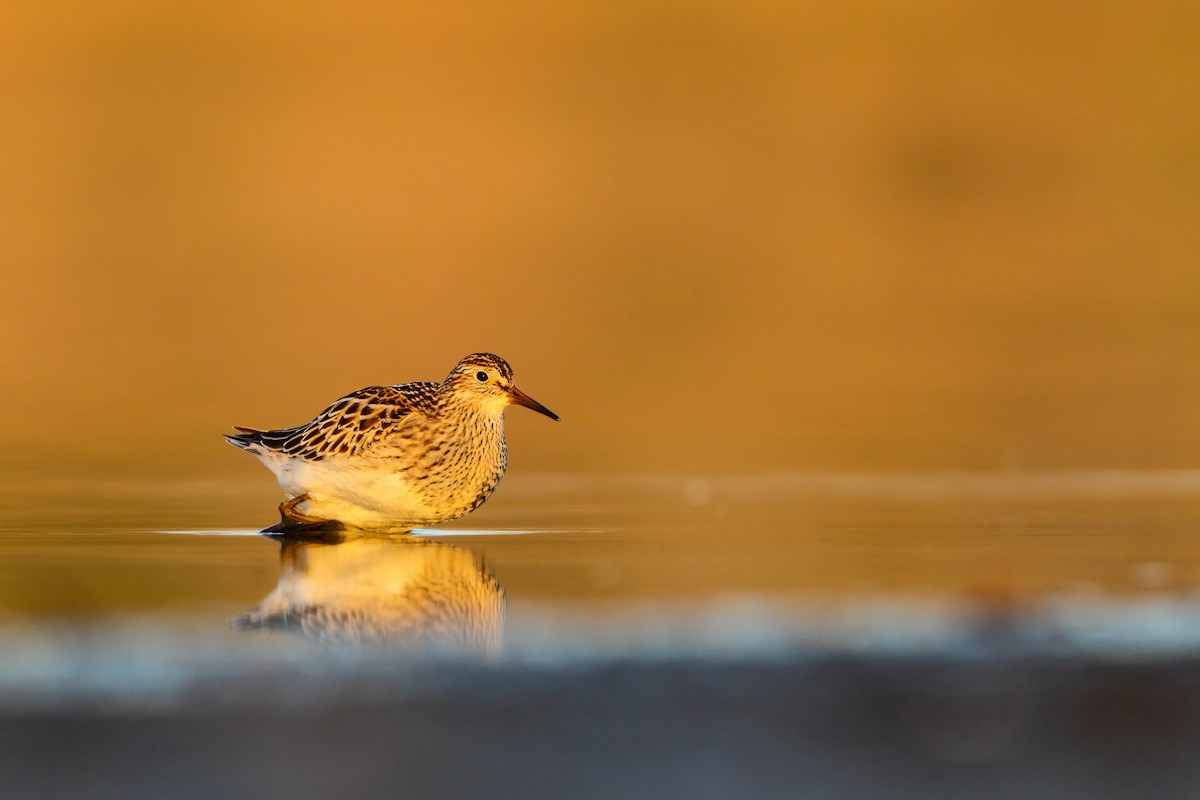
x,y
481,375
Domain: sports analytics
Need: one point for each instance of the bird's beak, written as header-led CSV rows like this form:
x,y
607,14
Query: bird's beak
x,y
522,399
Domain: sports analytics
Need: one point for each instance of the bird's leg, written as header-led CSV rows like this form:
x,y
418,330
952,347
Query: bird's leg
x,y
296,523
288,512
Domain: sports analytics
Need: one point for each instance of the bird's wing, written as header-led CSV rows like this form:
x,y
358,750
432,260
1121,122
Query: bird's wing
x,y
350,426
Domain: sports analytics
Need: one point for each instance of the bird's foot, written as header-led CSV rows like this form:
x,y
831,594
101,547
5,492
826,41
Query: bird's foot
x,y
288,512
294,522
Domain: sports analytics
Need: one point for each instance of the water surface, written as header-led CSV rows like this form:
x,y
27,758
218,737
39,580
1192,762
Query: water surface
x,y
613,566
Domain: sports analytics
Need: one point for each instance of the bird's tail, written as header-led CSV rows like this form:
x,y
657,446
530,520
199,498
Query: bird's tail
x,y
245,437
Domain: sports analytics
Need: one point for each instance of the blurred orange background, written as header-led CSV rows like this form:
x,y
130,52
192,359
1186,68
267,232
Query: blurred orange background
x,y
713,237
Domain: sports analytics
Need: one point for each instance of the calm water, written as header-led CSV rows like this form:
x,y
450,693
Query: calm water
x,y
576,566
908,636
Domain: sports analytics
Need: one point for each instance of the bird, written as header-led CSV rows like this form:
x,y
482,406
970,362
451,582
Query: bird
x,y
395,457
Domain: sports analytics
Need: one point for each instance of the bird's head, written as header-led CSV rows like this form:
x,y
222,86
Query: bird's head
x,y
486,380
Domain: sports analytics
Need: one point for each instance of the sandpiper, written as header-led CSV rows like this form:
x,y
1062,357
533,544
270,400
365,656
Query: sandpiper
x,y
395,457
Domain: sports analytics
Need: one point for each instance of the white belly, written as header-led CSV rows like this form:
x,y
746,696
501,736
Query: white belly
x,y
355,493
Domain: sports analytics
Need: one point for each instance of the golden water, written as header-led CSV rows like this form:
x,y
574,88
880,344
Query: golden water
x,y
610,557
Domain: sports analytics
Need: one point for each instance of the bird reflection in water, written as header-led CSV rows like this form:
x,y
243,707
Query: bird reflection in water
x,y
400,593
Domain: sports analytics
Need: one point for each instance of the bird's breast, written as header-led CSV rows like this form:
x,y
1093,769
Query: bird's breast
x,y
459,465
